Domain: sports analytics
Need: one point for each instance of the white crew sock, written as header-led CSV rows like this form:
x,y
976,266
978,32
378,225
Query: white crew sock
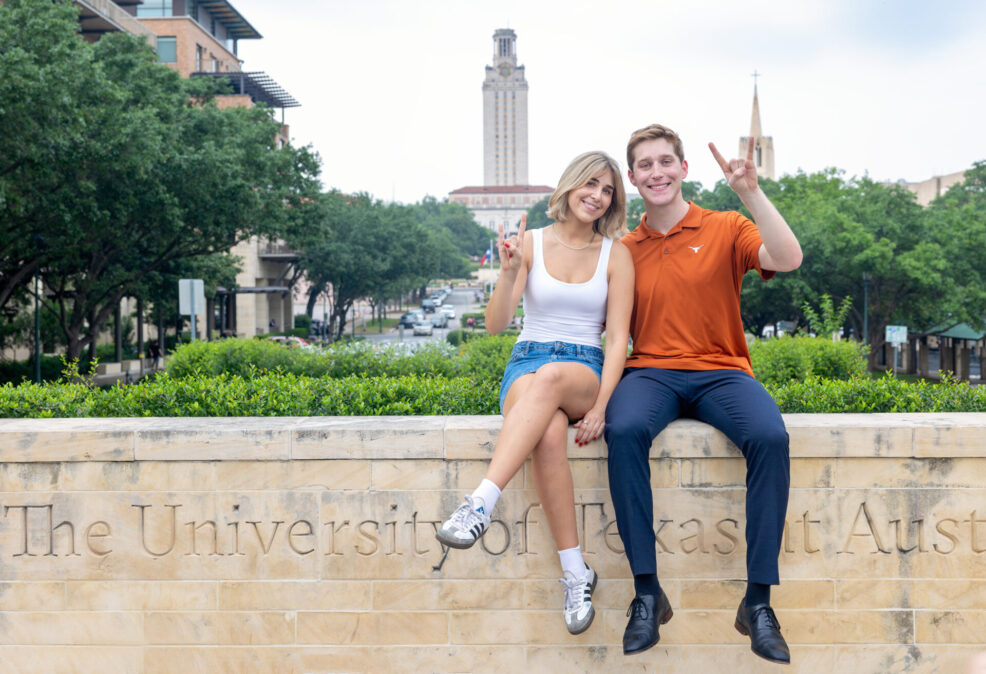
x,y
489,493
572,562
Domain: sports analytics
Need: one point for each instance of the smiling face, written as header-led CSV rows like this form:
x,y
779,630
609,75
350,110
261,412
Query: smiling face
x,y
589,202
657,172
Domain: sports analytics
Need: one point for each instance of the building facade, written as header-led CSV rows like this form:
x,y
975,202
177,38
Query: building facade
x,y
505,194
505,114
200,38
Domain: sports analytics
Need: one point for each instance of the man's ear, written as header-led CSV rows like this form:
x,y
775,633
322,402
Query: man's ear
x,y
684,169
630,175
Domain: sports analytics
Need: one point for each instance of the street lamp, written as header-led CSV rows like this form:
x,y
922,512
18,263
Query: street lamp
x,y
866,307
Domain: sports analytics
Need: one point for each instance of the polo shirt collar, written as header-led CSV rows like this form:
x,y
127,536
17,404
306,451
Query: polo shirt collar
x,y
692,220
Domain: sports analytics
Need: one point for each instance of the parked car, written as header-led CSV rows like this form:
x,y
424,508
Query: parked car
x,y
428,305
448,310
423,328
410,318
291,341
439,320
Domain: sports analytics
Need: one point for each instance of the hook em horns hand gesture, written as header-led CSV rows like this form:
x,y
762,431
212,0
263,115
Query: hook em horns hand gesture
x,y
741,174
512,249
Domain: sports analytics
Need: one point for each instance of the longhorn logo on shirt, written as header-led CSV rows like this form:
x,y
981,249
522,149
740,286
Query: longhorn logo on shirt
x,y
695,248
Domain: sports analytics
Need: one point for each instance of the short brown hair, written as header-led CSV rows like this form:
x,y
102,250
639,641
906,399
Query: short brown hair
x,y
613,222
653,132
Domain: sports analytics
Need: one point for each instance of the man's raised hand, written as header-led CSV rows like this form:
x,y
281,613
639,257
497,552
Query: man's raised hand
x,y
741,174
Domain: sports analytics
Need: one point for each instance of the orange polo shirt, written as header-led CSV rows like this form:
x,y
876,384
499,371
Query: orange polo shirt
x,y
686,304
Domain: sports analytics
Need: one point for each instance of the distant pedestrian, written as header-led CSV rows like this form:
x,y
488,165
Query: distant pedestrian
x,y
154,353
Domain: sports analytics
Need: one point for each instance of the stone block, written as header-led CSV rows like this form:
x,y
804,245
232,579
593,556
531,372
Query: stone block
x,y
516,627
950,435
28,596
48,440
232,659
21,477
138,476
147,595
295,595
71,659
727,594
369,438
433,474
838,435
686,438
76,628
912,473
216,628
472,437
450,595
377,627
301,475
233,439
437,658
950,627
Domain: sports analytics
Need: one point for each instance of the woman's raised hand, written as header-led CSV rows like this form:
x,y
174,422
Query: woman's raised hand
x,y
512,249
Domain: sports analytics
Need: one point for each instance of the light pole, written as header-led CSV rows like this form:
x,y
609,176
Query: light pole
x,y
866,307
37,330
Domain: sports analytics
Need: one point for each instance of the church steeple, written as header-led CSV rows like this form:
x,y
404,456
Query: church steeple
x,y
755,130
763,146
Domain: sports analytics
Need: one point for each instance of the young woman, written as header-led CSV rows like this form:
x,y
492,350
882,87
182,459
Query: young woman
x,y
576,279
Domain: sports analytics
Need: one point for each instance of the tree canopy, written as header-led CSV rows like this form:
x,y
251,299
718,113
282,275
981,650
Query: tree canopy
x,y
114,168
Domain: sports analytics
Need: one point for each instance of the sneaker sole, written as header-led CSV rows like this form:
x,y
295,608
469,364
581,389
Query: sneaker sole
x,y
592,611
456,543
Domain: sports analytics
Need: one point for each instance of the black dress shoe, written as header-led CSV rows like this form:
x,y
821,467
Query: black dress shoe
x,y
647,612
760,623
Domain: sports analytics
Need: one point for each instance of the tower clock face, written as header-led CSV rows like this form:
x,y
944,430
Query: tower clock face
x,y
504,70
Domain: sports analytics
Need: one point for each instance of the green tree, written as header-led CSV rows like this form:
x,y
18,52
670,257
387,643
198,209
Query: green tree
x,y
149,172
537,214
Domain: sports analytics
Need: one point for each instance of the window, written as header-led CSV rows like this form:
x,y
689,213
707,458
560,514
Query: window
x,y
199,52
167,50
153,8
192,9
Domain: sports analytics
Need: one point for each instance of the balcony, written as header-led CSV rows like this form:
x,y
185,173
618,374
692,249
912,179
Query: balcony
x,y
277,251
258,86
97,17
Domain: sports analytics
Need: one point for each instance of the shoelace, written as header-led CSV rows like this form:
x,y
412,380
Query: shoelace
x,y
638,609
461,515
574,592
768,615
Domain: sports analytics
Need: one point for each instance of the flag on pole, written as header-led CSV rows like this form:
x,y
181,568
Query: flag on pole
x,y
487,255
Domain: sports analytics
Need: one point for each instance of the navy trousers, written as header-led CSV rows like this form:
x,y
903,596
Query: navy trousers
x,y
648,399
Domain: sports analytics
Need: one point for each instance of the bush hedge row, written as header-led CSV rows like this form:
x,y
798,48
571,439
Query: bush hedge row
x,y
286,394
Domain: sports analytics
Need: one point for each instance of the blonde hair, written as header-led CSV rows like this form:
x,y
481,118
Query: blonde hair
x,y
612,223
653,132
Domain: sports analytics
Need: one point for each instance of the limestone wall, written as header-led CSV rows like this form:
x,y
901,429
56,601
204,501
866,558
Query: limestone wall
x,y
307,545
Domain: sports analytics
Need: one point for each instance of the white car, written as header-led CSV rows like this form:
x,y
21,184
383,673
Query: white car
x,y
423,328
448,310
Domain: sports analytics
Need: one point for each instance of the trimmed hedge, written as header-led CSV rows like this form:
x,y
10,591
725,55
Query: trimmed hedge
x,y
785,359
274,394
264,395
886,394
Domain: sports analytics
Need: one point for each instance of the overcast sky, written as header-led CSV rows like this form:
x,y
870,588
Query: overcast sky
x,y
391,91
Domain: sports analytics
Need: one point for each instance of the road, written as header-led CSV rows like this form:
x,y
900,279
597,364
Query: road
x,y
464,301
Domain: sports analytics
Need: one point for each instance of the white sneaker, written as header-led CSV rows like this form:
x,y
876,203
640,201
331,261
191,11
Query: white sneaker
x,y
578,600
469,521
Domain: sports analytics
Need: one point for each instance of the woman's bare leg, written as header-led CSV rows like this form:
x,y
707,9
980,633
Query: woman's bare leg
x,y
553,481
530,406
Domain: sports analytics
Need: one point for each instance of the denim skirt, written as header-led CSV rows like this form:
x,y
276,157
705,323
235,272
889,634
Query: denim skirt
x,y
527,357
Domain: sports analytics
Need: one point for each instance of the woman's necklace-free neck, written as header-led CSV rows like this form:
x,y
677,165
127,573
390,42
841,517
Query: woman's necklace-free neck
x,y
559,240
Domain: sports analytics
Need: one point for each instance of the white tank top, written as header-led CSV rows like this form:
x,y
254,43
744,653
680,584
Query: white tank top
x,y
555,311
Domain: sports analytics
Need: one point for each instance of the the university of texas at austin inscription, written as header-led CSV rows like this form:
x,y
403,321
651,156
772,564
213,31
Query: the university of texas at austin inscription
x,y
33,529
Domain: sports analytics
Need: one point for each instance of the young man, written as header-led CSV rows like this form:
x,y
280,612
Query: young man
x,y
690,359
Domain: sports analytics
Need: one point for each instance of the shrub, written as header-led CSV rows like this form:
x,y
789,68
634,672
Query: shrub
x,y
886,394
777,361
265,395
303,322
16,371
484,358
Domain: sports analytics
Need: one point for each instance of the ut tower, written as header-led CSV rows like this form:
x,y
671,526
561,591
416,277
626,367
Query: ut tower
x,y
505,114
